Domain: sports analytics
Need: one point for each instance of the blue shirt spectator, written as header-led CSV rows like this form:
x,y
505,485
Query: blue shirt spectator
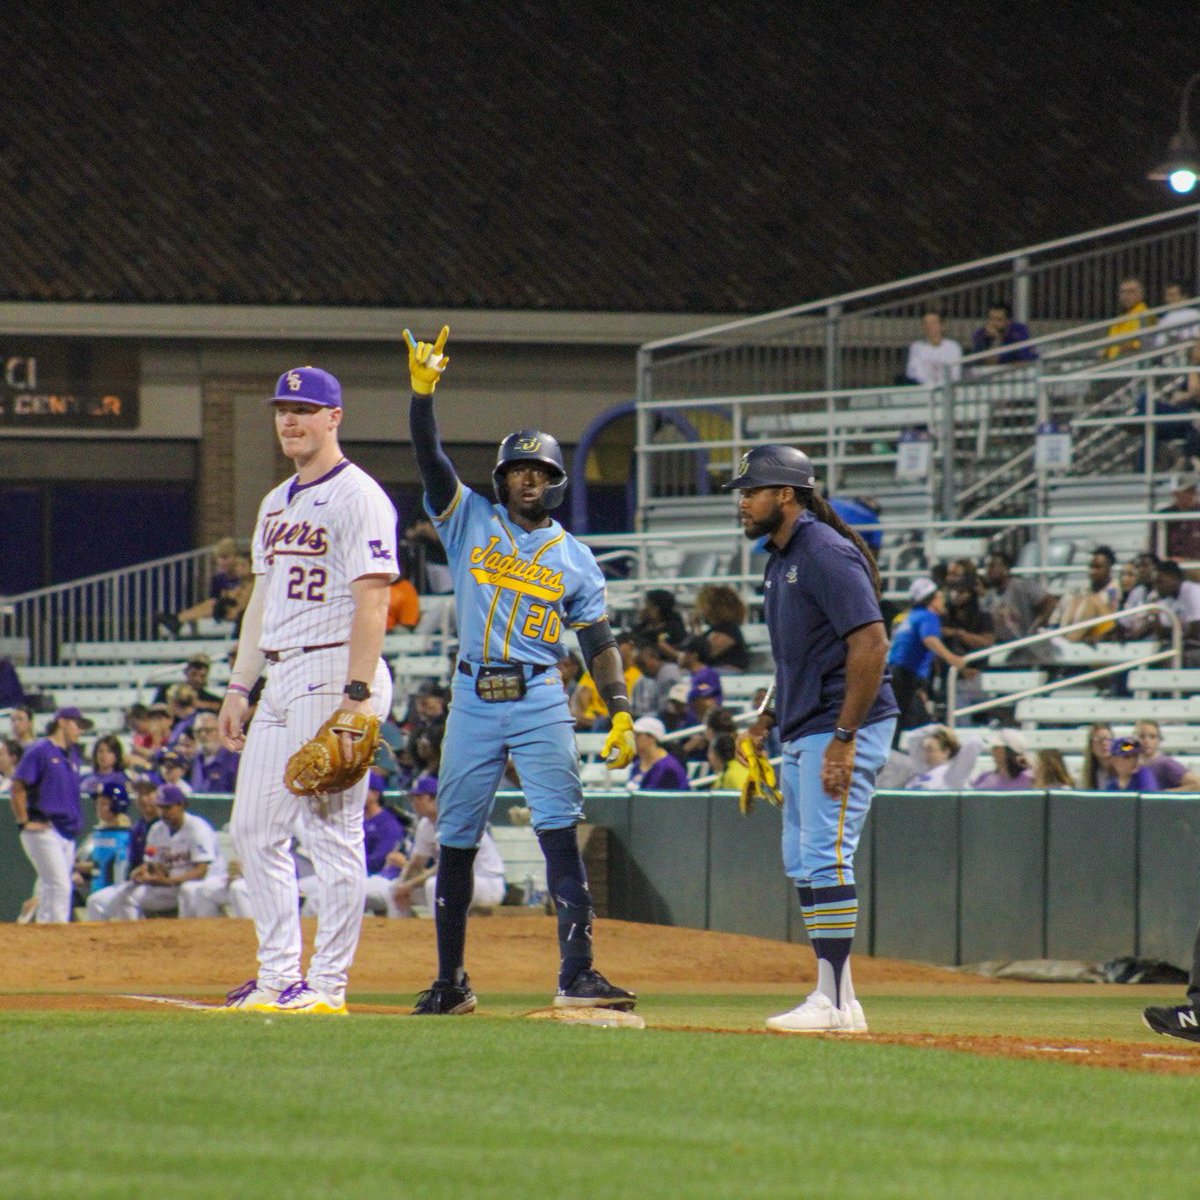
x,y
1001,330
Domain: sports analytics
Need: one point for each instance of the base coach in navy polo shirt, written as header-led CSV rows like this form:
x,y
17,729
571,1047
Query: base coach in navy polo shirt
x,y
834,708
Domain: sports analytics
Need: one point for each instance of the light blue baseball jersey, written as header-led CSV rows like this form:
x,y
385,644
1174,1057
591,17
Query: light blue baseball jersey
x,y
514,590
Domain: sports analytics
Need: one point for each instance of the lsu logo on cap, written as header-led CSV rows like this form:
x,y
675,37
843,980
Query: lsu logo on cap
x,y
528,445
294,382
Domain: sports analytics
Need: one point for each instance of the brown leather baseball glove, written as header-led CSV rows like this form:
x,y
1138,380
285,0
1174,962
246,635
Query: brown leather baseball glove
x,y
322,765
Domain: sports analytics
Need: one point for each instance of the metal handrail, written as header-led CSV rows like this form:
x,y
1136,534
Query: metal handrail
x,y
1033,639
979,264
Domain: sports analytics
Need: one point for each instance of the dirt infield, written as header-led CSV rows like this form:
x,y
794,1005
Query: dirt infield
x,y
89,967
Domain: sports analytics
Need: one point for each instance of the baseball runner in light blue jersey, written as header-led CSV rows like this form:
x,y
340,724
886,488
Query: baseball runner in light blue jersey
x,y
519,579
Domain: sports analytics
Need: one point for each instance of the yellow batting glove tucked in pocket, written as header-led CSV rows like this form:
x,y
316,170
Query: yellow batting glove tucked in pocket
x,y
760,777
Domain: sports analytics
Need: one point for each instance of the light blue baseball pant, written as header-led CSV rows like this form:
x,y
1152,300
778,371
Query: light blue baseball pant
x,y
537,730
821,833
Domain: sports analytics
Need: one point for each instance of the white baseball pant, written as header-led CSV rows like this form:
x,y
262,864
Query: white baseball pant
x,y
300,695
205,897
53,858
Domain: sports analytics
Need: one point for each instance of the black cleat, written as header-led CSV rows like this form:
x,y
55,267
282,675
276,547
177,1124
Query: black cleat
x,y
443,998
1182,1022
589,989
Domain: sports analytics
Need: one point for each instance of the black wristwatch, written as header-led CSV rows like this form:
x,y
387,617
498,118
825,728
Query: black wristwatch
x,y
357,690
844,735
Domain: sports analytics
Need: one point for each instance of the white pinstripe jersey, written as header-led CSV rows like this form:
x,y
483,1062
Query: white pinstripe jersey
x,y
311,541
514,589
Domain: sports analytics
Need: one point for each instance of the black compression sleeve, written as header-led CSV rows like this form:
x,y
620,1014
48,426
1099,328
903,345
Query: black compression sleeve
x,y
437,471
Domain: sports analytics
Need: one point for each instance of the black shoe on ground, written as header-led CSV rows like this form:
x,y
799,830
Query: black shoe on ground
x,y
589,989
1181,1022
443,998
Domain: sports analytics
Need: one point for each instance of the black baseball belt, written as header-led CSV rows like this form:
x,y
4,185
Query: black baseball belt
x,y
501,683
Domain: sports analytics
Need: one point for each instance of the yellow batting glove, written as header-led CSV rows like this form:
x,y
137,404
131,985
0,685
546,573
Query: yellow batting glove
x,y
426,362
619,747
760,777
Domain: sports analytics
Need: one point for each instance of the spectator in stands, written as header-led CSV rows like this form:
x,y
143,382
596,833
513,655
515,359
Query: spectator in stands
x,y
1139,591
772,744
1128,774
1097,759
1170,775
587,707
1018,604
404,605
660,620
1182,323
10,755
172,769
728,774
425,557
418,876
704,680
20,724
915,643
45,801
1182,538
675,716
654,769
181,702
649,696
933,359
695,748
108,765
1182,597
627,645
1010,769
152,738
1097,597
858,511
1131,295
967,628
213,768
723,613
195,677
1050,770
220,603
570,670
999,330
938,750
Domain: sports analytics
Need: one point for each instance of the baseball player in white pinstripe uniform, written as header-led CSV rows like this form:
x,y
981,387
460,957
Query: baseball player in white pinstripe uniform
x,y
324,557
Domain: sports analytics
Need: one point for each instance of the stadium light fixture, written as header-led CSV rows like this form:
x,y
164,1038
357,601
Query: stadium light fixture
x,y
1181,168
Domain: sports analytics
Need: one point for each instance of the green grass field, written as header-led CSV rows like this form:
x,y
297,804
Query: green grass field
x,y
179,1104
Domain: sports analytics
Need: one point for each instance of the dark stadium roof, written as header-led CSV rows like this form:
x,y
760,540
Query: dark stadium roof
x,y
699,157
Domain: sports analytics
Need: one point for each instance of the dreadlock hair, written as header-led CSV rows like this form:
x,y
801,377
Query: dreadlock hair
x,y
826,514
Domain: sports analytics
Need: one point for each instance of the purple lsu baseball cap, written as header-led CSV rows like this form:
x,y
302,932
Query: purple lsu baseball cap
x,y
169,794
74,714
426,785
309,385
376,782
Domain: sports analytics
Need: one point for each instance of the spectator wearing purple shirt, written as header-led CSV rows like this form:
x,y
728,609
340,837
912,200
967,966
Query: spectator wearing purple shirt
x,y
654,770
383,869
213,769
1001,330
1170,774
1011,771
45,803
382,830
1128,773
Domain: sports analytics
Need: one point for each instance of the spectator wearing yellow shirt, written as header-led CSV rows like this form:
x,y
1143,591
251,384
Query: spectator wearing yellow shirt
x,y
587,707
730,774
1131,295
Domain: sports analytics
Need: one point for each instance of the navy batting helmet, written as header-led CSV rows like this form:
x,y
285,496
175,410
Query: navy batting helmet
x,y
774,466
117,795
531,445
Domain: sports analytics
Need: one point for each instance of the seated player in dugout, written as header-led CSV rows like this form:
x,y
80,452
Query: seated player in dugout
x,y
518,576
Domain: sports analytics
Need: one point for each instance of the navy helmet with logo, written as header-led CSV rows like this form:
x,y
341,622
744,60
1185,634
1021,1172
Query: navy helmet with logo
x,y
534,446
774,466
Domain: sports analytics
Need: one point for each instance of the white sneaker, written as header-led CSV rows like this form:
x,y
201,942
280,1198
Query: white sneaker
x,y
300,998
250,997
858,1020
818,1014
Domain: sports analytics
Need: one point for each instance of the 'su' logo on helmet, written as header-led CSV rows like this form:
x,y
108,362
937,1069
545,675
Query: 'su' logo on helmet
x,y
528,445
744,465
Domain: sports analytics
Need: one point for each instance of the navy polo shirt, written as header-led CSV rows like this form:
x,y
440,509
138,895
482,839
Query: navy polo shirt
x,y
817,589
